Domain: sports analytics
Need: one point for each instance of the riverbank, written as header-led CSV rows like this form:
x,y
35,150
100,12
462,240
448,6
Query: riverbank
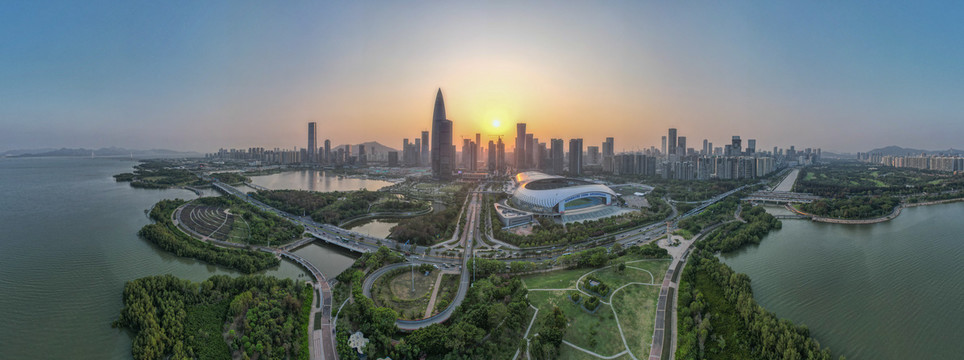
x,y
893,215
866,292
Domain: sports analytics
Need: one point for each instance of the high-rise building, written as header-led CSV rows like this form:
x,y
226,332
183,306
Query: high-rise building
x,y
750,146
607,156
362,155
706,148
490,160
478,144
312,146
529,153
520,145
575,157
663,149
327,151
681,146
736,146
500,156
592,153
424,152
556,156
393,158
443,155
671,141
417,151
466,153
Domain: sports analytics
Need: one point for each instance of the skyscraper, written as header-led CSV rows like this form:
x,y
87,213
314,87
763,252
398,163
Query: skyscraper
x,y
490,160
750,146
663,149
442,153
520,145
681,146
529,152
575,157
500,156
312,146
424,159
556,154
478,144
671,141
607,155
417,152
736,146
706,148
327,151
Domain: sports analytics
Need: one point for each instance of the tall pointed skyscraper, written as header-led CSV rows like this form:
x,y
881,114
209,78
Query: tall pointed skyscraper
x,y
442,156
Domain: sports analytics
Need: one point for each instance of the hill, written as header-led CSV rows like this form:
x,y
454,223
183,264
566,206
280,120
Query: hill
x,y
900,151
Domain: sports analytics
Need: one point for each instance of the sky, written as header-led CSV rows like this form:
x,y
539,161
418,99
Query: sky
x,y
202,75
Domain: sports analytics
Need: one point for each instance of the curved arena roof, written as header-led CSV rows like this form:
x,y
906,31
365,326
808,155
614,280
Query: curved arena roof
x,y
543,193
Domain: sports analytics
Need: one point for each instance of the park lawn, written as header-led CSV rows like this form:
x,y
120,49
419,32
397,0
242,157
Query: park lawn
x,y
240,231
562,279
636,307
595,332
566,352
655,266
446,292
396,293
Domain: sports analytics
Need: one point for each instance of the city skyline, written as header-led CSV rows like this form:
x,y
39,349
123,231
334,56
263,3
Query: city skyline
x,y
843,77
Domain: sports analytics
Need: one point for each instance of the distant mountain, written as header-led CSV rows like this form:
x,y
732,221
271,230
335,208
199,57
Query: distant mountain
x,y
111,151
370,148
18,152
900,151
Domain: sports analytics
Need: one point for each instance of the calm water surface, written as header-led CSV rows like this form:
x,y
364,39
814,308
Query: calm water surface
x,y
68,242
893,290
380,228
316,180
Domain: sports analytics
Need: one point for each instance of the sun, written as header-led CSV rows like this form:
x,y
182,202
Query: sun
x,y
496,123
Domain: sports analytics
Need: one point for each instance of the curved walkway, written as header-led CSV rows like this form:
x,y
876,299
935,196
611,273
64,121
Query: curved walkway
x,y
467,238
322,341
608,302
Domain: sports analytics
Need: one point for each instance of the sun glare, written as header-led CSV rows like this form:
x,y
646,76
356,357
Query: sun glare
x,y
496,123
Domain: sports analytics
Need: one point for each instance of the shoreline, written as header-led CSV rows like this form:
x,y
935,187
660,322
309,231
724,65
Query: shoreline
x,y
893,215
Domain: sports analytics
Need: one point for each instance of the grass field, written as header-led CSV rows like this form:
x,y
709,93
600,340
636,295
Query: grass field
x,y
395,292
636,308
598,332
446,292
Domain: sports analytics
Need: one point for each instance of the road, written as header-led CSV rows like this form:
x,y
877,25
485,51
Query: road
x,y
467,239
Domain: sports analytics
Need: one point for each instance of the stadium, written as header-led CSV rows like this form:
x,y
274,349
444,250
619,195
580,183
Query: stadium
x,y
544,194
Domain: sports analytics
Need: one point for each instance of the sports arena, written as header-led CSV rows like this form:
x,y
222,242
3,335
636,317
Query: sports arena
x,y
544,194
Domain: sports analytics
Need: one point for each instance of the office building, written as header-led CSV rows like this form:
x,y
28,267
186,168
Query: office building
x,y
520,145
575,157
442,152
327,151
736,146
671,142
312,145
681,146
424,151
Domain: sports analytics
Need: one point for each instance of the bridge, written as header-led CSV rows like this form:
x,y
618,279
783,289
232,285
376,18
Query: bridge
x,y
791,217
256,186
780,197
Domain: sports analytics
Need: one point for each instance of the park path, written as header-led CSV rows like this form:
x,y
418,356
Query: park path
x,y
431,301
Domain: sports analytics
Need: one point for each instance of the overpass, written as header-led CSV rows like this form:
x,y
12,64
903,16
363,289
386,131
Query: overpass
x,y
780,197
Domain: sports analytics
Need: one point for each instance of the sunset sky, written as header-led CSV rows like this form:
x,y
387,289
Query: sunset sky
x,y
200,75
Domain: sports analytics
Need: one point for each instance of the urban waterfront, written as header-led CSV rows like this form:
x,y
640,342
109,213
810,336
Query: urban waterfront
x,y
316,180
69,242
885,291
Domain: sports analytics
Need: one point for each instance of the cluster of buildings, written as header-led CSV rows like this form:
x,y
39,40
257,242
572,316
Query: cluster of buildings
x,y
572,157
339,156
922,161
